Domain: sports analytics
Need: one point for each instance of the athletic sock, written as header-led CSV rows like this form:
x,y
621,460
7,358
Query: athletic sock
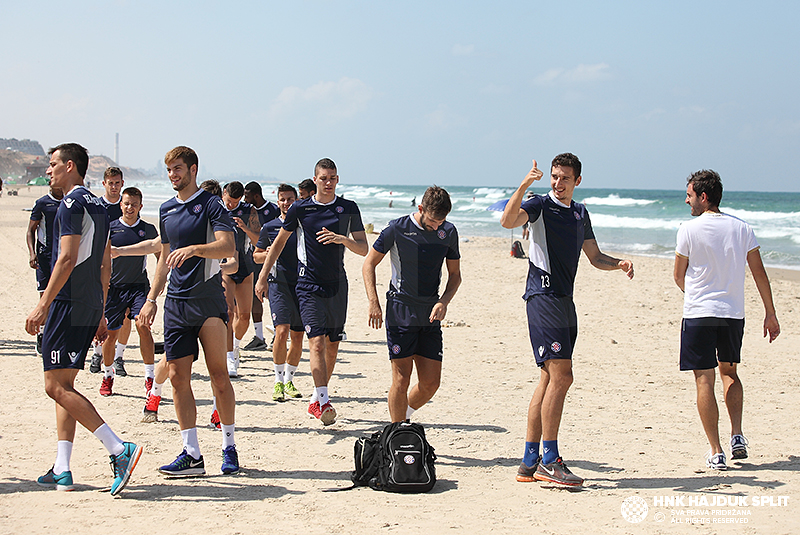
x,y
213,403
111,441
259,327
119,349
63,456
531,453
231,355
322,395
288,374
278,373
314,396
98,349
190,443
236,343
550,451
149,371
409,412
156,390
108,371
227,436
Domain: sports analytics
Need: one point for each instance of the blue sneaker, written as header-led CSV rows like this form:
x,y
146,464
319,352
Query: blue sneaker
x,y
184,466
122,466
230,460
62,481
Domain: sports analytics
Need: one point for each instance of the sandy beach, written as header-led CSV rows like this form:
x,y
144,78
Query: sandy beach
x,y
630,425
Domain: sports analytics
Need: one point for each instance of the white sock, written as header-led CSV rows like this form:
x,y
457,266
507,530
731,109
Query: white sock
x,y
119,349
236,343
108,371
111,441
213,403
259,327
149,371
314,396
63,456
98,349
322,395
190,443
409,412
288,374
232,355
278,373
156,390
227,436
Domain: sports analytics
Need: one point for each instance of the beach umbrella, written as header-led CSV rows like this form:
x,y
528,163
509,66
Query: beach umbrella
x,y
499,206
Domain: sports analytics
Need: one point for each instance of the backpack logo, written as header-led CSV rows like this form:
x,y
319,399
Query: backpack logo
x,y
409,459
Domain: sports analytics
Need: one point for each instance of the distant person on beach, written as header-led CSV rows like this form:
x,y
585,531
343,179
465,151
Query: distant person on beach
x,y
71,309
195,306
306,188
267,211
326,223
39,239
710,259
418,245
283,301
559,229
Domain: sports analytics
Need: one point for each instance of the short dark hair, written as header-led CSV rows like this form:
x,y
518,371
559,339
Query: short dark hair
x,y
308,185
186,154
211,186
287,187
234,189
133,192
708,182
72,151
436,201
112,171
254,187
567,159
325,163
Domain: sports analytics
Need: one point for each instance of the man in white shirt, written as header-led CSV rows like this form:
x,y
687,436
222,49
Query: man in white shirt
x,y
710,259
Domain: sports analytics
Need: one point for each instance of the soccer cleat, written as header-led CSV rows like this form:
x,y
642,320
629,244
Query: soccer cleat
x,y
557,472
256,344
62,481
97,361
230,460
122,466
119,368
277,393
233,366
150,411
106,386
525,473
184,466
148,384
738,447
290,391
215,419
716,461
328,414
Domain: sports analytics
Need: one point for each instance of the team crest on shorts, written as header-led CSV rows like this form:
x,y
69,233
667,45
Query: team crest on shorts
x,y
556,347
274,316
141,234
308,328
339,209
197,208
441,234
396,349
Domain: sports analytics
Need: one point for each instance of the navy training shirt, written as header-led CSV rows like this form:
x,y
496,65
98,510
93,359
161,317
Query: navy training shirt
x,y
80,212
417,256
268,212
557,234
130,269
114,209
317,263
44,211
193,222
285,268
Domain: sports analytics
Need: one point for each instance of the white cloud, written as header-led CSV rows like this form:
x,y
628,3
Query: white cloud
x,y
463,50
333,100
577,75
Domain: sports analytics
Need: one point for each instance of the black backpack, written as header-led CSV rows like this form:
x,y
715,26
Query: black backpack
x,y
406,460
368,459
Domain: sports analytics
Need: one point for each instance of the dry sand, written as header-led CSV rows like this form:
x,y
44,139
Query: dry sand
x,y
630,425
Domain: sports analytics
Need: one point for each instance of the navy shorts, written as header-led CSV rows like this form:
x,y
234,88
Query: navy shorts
x,y
68,333
553,326
323,309
121,299
183,319
704,341
42,272
410,332
284,306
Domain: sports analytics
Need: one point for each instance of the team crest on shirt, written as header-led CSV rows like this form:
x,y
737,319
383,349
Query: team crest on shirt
x,y
197,208
556,347
577,216
396,349
441,234
141,233
339,209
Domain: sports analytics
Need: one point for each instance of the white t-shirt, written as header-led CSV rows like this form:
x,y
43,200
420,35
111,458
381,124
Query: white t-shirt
x,y
716,245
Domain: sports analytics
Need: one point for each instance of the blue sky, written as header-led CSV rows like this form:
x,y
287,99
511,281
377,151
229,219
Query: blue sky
x,y
453,93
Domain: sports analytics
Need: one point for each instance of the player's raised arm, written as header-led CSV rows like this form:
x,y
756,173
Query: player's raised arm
x,y
514,216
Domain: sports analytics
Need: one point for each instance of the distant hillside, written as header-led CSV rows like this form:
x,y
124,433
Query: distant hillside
x,y
98,165
12,164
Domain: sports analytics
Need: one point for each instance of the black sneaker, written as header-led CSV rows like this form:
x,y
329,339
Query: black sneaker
x,y
557,472
119,368
39,344
256,344
525,473
97,362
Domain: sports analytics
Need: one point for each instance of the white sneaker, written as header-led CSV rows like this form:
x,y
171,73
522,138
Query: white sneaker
x,y
716,461
738,447
233,366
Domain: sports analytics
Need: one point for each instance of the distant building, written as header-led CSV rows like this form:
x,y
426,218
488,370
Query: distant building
x,y
28,146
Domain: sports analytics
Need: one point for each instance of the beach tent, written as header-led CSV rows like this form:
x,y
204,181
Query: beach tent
x,y
39,181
